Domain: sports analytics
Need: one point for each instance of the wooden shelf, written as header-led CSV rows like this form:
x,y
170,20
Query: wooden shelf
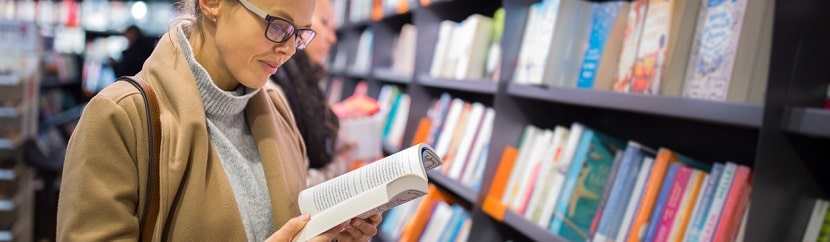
x,y
465,193
738,114
391,76
475,86
808,121
529,229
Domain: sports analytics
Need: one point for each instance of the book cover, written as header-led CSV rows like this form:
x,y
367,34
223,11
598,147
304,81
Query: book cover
x,y
618,156
536,42
714,49
493,201
584,184
603,20
651,55
631,43
371,189
733,206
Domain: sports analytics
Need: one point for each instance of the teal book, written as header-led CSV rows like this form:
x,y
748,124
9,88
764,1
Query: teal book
x,y
584,185
602,23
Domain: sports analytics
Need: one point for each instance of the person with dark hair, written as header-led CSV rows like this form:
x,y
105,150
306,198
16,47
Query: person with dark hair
x,y
138,50
232,162
299,80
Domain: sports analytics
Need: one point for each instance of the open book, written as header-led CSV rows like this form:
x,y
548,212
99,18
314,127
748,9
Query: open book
x,y
371,189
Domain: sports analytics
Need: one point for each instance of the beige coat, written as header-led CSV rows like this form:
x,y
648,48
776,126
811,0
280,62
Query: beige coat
x,y
105,172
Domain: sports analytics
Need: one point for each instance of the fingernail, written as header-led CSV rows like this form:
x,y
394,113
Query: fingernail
x,y
307,216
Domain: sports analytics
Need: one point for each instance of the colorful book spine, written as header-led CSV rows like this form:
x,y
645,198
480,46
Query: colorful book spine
x,y
702,205
585,184
631,43
676,194
716,208
608,185
688,205
634,201
662,200
650,193
621,191
733,207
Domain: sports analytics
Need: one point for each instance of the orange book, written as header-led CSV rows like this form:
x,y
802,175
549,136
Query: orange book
x,y
425,2
377,10
686,212
652,189
413,229
460,128
492,203
403,6
734,206
422,131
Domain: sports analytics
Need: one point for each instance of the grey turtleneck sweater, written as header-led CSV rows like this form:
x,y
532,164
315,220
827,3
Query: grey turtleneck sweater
x,y
232,139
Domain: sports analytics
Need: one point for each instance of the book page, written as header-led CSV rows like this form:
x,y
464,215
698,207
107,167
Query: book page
x,y
337,190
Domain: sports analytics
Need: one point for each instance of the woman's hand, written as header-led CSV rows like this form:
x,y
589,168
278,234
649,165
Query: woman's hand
x,y
360,229
294,225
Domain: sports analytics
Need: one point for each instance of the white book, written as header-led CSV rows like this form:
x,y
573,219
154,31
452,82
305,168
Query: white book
x,y
404,51
438,221
512,188
472,128
475,157
560,173
536,42
473,46
816,220
718,200
531,169
442,46
544,179
634,201
371,189
444,139
742,229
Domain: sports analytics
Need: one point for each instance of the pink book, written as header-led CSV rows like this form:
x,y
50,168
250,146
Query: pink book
x,y
529,192
737,197
673,204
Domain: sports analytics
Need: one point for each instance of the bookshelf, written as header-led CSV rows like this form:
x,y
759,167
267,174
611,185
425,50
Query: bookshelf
x,y
784,140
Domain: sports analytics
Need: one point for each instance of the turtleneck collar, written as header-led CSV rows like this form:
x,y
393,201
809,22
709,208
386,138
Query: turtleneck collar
x,y
217,101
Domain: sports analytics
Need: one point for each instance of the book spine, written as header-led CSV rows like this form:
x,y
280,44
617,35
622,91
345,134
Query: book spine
x,y
650,192
716,208
660,206
731,206
558,222
702,206
673,204
605,194
634,202
620,192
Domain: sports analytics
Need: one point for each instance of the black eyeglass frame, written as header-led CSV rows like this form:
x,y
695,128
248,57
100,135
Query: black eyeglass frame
x,y
301,42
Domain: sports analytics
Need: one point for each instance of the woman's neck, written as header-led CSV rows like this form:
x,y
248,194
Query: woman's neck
x,y
206,53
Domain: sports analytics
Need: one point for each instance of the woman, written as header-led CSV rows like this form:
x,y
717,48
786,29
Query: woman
x,y
231,156
299,81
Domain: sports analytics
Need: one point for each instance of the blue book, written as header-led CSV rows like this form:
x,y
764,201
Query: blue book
x,y
390,120
660,205
454,223
603,17
698,219
440,113
622,191
584,185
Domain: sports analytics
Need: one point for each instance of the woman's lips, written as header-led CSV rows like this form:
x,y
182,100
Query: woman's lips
x,y
268,67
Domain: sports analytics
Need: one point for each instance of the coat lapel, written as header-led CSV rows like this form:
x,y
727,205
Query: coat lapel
x,y
284,169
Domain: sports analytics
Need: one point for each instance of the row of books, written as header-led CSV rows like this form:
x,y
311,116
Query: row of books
x,y
460,132
434,217
696,49
19,82
818,226
469,50
581,184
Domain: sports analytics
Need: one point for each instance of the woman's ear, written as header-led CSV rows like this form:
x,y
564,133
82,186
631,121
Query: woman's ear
x,y
210,8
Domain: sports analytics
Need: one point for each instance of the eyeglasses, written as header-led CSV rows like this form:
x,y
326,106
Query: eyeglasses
x,y
279,29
